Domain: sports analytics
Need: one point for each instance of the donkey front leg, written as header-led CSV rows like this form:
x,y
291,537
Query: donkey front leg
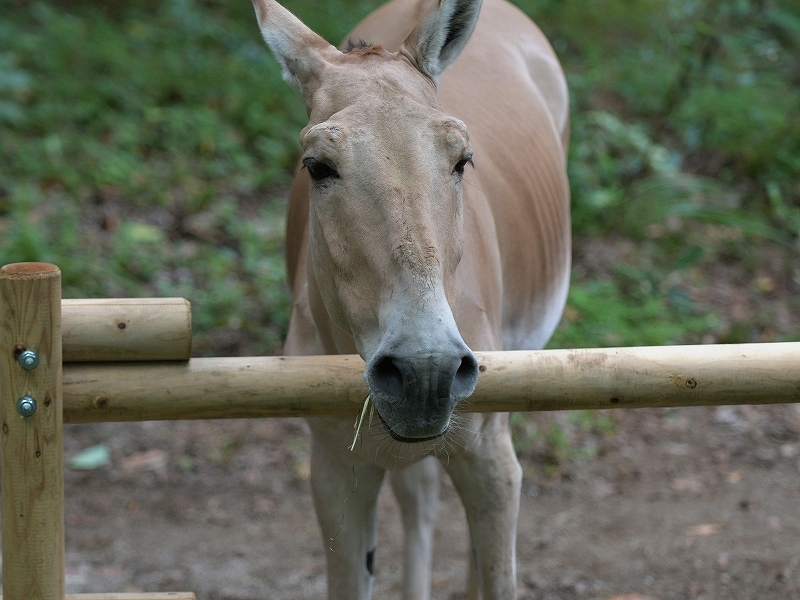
x,y
488,477
345,497
417,491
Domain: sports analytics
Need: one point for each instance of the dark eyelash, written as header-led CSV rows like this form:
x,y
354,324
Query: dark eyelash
x,y
320,170
461,165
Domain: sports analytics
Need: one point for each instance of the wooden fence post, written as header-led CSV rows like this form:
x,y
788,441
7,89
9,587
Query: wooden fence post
x,y
31,449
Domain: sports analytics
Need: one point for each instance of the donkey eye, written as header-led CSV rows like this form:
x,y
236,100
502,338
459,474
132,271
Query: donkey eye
x,y
320,170
460,165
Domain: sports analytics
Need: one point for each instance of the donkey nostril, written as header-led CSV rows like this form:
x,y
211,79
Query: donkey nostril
x,y
466,377
387,376
468,366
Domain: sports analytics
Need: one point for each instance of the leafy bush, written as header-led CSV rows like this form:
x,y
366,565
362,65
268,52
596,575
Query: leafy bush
x,y
123,129
715,83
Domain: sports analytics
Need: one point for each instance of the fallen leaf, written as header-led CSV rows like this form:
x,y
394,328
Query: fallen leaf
x,y
687,484
602,489
734,477
704,529
151,460
439,583
90,458
789,450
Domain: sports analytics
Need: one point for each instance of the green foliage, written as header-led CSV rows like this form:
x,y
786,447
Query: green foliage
x,y
715,83
149,106
623,181
14,83
629,311
557,439
332,20
138,143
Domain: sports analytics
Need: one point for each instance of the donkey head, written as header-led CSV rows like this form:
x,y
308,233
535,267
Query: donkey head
x,y
385,165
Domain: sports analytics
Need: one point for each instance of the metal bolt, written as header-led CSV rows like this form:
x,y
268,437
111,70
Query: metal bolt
x,y
26,406
28,360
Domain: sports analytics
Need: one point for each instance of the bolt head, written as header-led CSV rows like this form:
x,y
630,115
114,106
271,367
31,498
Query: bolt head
x,y
28,360
26,406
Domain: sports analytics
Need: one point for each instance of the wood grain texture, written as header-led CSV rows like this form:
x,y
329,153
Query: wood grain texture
x,y
114,329
32,484
132,596
213,388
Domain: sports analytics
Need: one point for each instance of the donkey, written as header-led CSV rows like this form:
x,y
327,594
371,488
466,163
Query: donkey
x,y
429,218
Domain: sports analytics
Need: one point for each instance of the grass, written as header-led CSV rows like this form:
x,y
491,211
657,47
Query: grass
x,y
146,155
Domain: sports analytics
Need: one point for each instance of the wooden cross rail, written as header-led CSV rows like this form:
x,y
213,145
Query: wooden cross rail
x,y
129,596
283,386
33,317
127,329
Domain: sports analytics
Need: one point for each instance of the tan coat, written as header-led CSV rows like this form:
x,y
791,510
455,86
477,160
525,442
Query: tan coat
x,y
399,249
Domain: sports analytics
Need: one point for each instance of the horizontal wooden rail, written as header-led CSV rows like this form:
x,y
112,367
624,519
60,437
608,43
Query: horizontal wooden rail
x,y
214,388
111,329
131,596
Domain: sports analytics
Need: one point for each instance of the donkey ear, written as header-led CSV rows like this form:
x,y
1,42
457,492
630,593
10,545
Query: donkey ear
x,y
300,52
439,38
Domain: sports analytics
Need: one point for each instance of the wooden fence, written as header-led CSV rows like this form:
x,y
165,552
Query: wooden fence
x,y
80,361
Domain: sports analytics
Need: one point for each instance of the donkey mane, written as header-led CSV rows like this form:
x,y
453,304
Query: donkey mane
x,y
361,47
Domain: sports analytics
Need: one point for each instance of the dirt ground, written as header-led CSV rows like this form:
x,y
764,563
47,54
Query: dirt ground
x,y
676,504
657,504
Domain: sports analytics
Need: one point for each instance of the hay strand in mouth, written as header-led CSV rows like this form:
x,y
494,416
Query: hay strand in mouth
x,y
357,425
